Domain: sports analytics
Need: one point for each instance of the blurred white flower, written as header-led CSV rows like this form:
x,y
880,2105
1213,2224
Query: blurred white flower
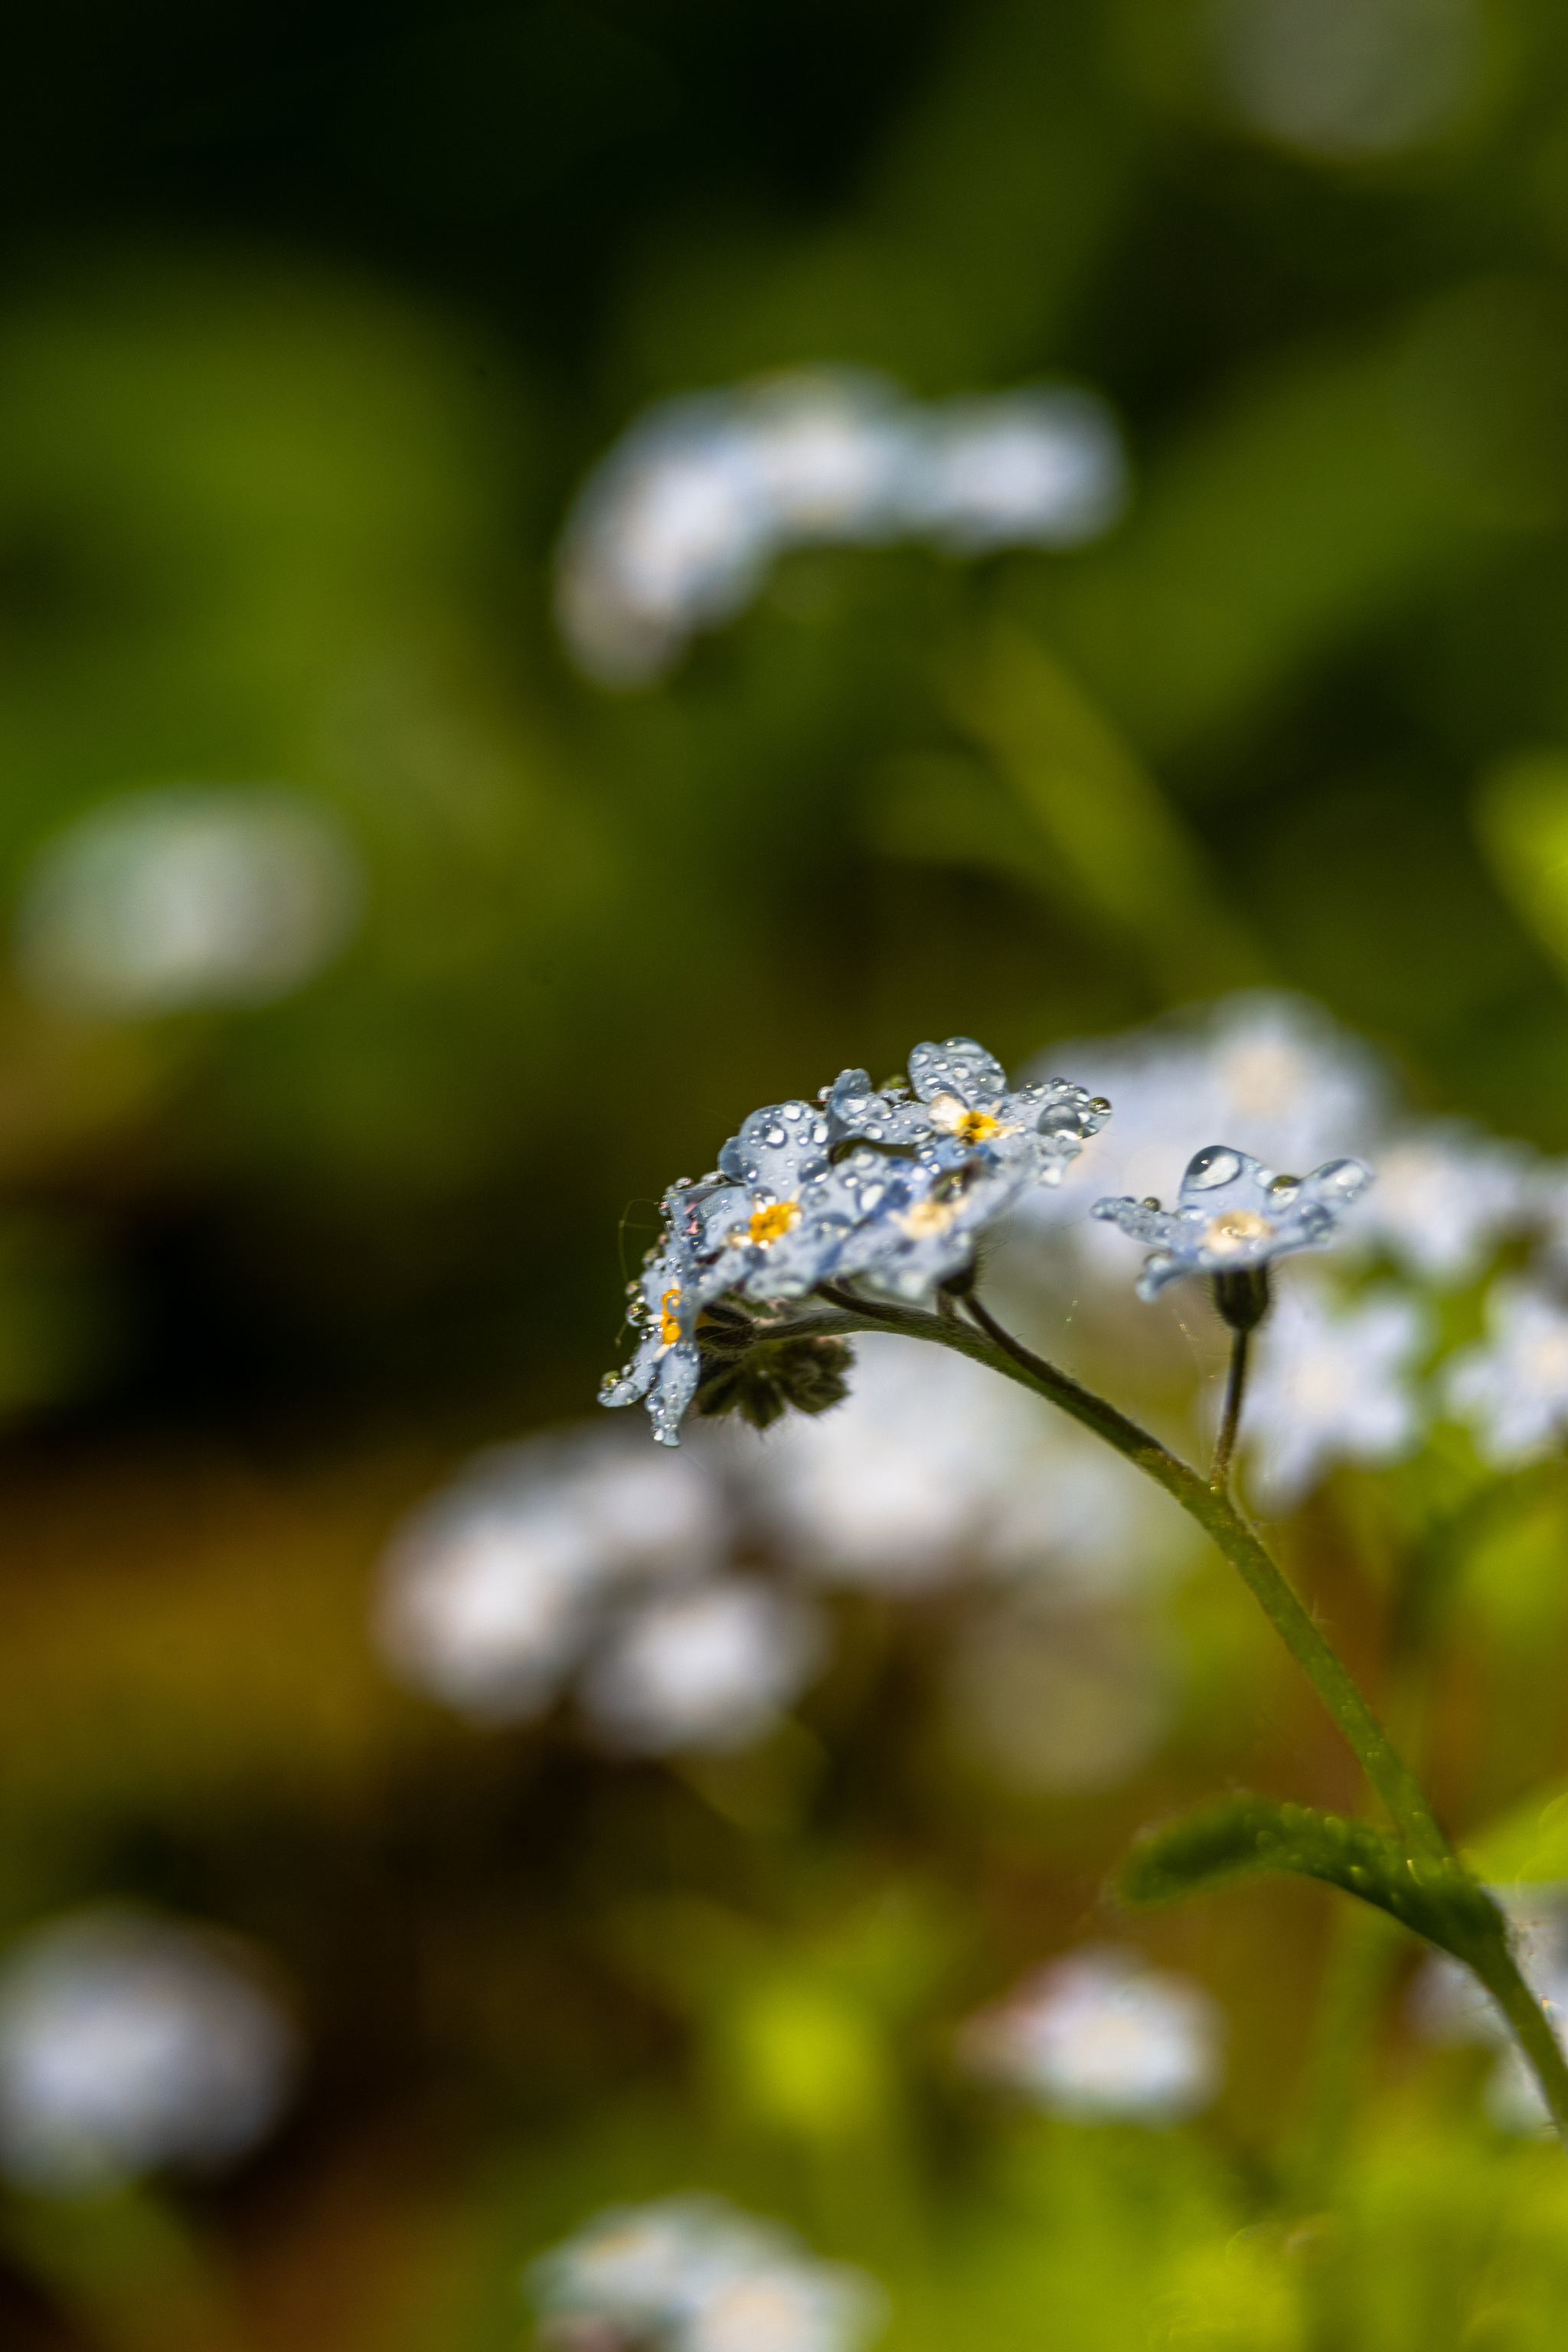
x,y
1448,2004
1023,469
1348,78
191,896
1264,1071
1102,2034
786,2304
126,2044
1512,1387
676,527
1445,1195
490,1593
832,454
933,1465
1329,1384
699,2276
710,1668
671,534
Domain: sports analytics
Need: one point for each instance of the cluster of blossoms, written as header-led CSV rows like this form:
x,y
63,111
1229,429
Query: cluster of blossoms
x,y
891,1188
575,1560
126,2044
1335,1375
676,528
886,1186
1100,2035
672,1594
691,2274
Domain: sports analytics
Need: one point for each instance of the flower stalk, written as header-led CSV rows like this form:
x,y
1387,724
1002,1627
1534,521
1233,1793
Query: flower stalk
x,y
894,1188
983,1339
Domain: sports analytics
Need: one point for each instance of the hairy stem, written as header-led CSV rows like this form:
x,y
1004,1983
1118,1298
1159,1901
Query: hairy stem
x,y
987,1341
1230,1419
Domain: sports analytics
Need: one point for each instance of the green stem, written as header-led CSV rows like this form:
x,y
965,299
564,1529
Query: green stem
x,y
1230,1422
1500,1973
1214,1513
987,1341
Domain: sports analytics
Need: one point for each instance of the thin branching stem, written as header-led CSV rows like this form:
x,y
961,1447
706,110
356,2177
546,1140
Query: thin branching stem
x,y
1230,1419
987,1341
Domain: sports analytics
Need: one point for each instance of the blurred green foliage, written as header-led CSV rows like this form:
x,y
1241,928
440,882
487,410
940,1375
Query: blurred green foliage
x,y
311,322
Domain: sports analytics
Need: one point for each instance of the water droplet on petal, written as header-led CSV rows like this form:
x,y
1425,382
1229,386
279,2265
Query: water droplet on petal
x,y
1212,1167
1346,1177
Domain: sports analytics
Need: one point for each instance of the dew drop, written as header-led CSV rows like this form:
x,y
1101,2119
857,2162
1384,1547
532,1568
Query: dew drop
x,y
1100,1103
794,1110
1210,1169
1152,1201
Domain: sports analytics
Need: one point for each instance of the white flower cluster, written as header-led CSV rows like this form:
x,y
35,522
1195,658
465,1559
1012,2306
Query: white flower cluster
x,y
1100,2035
692,2273
588,1559
1334,1377
128,2043
187,894
933,1466
675,528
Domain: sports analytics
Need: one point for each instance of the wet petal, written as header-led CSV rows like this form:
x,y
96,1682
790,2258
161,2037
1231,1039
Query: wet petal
x,y
958,1066
778,1149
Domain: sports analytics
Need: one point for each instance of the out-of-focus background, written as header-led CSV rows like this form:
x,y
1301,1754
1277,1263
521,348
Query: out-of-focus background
x,y
566,570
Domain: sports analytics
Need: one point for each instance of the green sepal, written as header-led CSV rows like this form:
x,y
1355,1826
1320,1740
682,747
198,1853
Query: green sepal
x,y
1248,1837
763,1379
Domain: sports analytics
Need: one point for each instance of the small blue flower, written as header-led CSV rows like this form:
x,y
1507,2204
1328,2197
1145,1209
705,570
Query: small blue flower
x,y
958,1093
773,1228
1233,1215
778,1149
916,1221
663,1374
892,1187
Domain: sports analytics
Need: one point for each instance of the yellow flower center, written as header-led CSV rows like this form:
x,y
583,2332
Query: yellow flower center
x,y
669,1320
768,1225
968,1126
927,1217
1236,1230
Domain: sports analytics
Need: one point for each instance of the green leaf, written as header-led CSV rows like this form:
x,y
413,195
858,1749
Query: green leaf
x,y
1246,1837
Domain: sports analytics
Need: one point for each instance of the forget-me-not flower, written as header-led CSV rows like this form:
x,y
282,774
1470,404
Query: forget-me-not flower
x,y
664,1373
1446,1194
889,1186
917,1220
1099,2034
1233,1215
771,1230
695,2274
1331,1383
1512,1387
958,1094
129,2043
710,1667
